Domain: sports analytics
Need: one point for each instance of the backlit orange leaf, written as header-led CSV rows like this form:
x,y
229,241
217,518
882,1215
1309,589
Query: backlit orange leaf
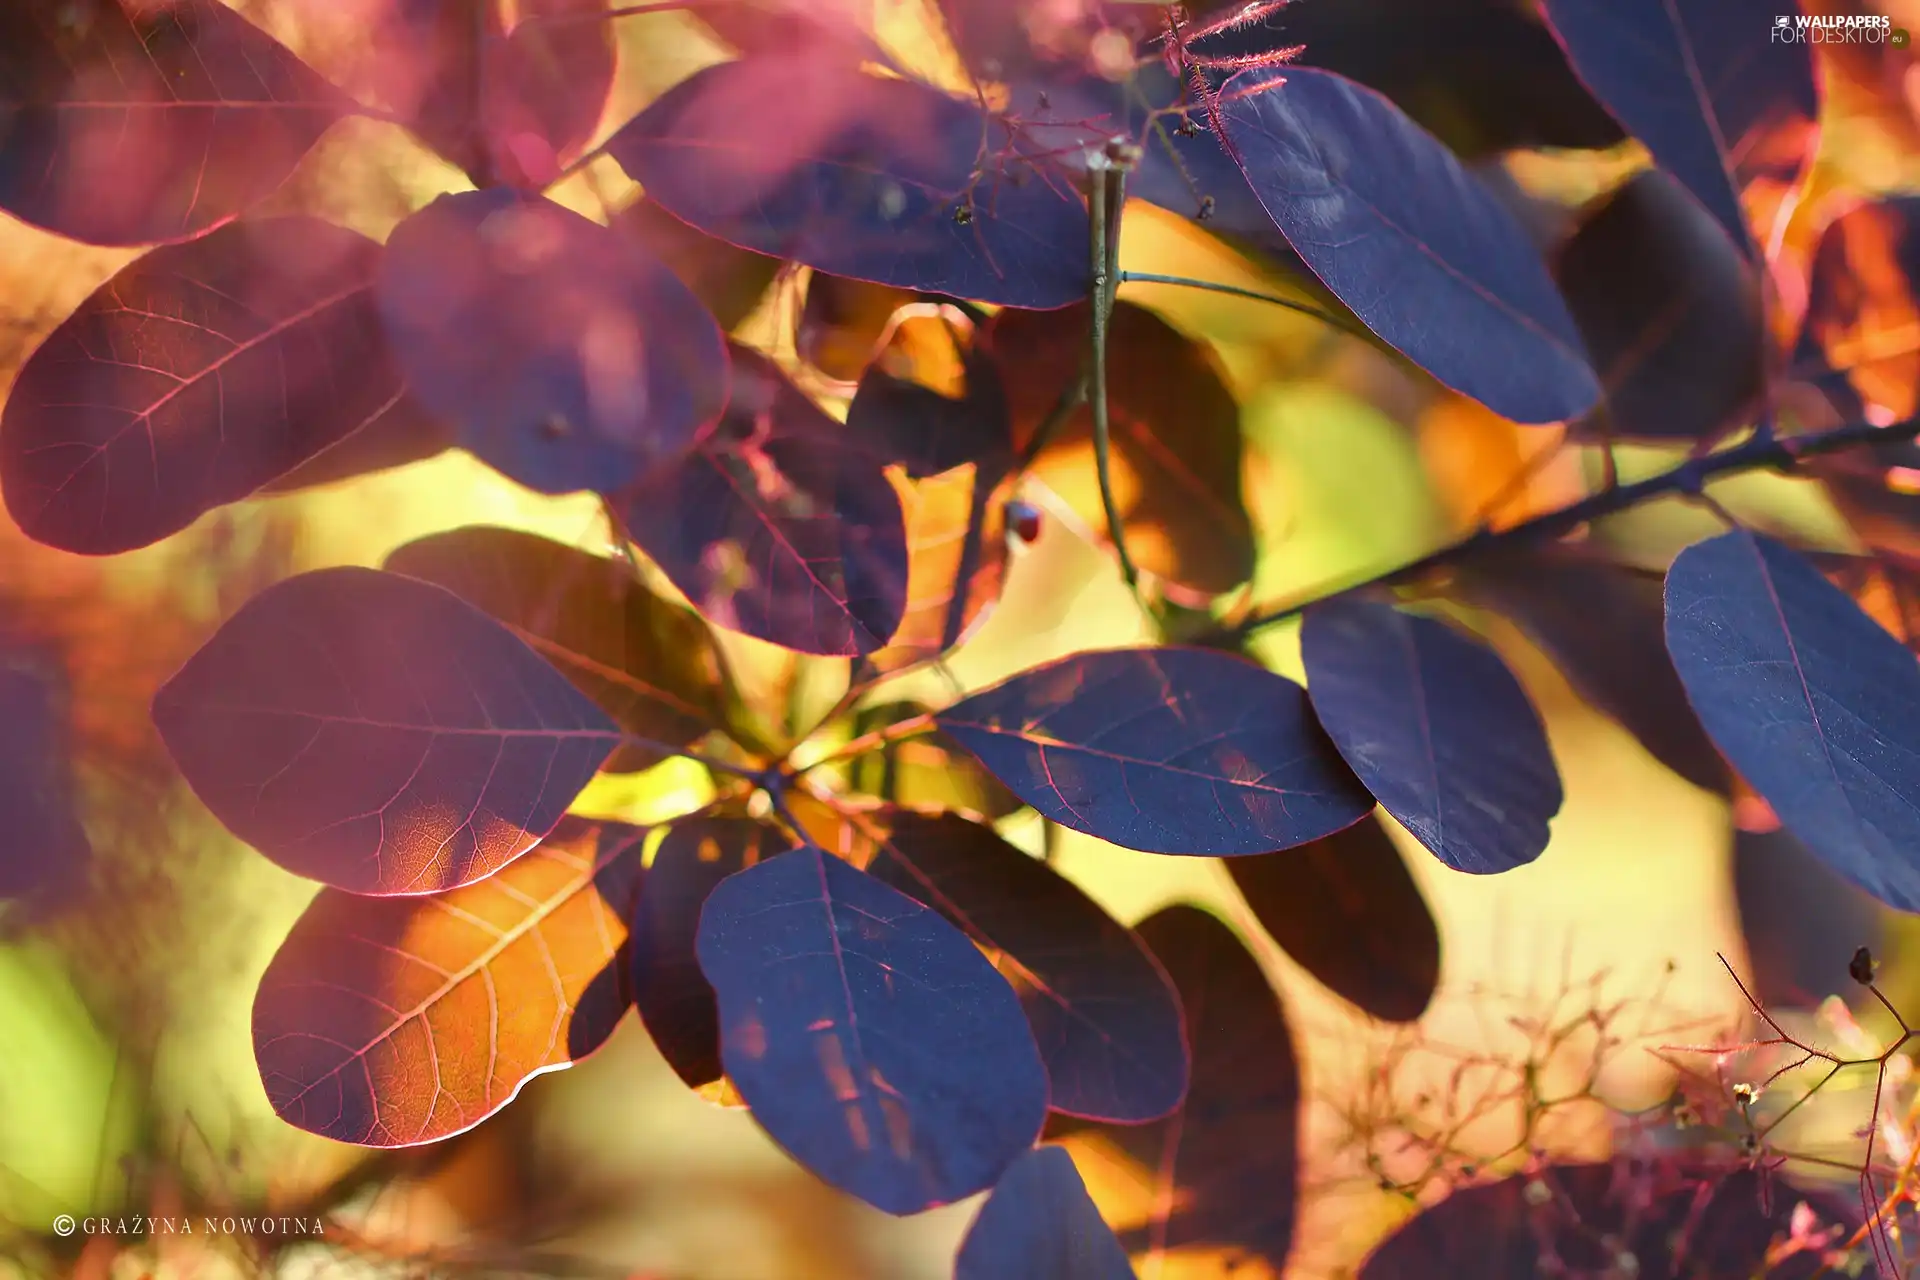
x,y
391,1022
953,536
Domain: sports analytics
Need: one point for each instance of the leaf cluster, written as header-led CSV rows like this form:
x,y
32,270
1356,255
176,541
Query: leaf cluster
x,y
846,944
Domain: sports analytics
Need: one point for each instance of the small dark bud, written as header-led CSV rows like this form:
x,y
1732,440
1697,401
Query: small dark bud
x,y
1023,520
963,215
1860,968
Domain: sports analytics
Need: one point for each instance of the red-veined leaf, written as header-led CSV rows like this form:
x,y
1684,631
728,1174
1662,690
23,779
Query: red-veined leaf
x,y
378,733
196,375
649,664
131,122
777,525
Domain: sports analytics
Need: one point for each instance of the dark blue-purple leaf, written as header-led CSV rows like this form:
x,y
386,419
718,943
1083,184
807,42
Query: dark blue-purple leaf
x,y
1176,750
568,357
1715,93
1103,1013
1670,312
127,123
778,525
378,733
1484,76
1225,1167
505,105
1412,242
1437,728
806,158
1346,910
1801,922
402,1021
649,664
199,373
1677,1220
1603,626
1861,302
45,850
868,1036
1040,1224
673,997
1810,699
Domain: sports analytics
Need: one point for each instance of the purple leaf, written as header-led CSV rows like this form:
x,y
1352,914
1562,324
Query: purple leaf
x,y
1485,76
673,996
1438,728
1225,1167
1670,311
1040,1224
1708,85
567,356
1603,626
1407,238
400,1021
868,1036
130,123
1103,1013
506,106
1187,751
649,664
804,157
1813,703
198,374
777,525
1346,910
379,734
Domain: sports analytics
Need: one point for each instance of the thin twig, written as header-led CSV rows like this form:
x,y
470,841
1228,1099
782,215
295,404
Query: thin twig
x,y
1102,173
1687,479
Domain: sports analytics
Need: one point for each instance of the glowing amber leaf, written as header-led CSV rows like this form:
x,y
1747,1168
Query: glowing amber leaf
x,y
390,1022
956,563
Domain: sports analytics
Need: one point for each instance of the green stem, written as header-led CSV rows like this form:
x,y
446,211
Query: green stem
x,y
1304,308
